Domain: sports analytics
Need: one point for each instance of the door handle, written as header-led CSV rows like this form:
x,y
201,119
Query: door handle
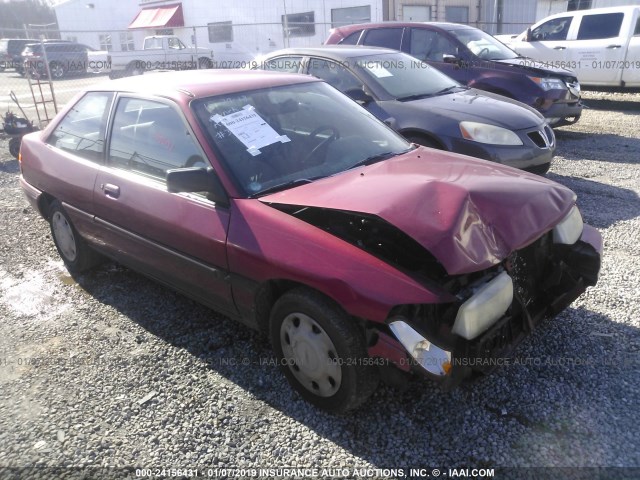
x,y
110,190
559,47
614,46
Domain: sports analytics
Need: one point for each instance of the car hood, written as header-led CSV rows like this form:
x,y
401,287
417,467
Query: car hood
x,y
538,68
469,213
473,105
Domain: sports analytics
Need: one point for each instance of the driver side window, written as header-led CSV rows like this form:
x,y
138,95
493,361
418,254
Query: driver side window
x,y
431,46
150,138
555,29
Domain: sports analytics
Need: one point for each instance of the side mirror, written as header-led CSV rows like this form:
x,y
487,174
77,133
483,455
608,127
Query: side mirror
x,y
527,35
197,179
359,95
448,58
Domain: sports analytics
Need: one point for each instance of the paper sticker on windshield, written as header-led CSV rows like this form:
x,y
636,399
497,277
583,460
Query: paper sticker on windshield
x,y
250,128
378,70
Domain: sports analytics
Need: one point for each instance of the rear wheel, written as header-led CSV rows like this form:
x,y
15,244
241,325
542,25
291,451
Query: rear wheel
x,y
321,351
135,68
73,249
205,63
57,70
14,146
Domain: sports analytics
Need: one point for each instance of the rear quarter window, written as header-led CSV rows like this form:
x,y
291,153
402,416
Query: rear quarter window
x,y
604,25
384,37
351,39
82,130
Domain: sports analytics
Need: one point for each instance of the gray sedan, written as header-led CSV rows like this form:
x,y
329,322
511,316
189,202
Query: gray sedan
x,y
426,106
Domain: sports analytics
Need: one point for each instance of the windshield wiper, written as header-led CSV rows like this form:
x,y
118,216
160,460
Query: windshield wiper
x,y
283,186
378,157
447,89
416,96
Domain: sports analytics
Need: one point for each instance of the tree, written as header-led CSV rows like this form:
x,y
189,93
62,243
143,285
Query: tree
x,y
15,15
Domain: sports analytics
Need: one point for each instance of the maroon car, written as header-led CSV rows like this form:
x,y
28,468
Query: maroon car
x,y
278,201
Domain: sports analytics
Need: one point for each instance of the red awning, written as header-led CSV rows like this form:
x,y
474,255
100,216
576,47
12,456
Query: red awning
x,y
166,16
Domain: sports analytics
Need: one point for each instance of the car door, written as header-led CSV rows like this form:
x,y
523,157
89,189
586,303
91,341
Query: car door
x,y
77,146
431,46
599,47
631,72
179,239
549,41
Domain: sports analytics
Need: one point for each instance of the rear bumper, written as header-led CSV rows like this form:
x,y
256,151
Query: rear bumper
x,y
33,195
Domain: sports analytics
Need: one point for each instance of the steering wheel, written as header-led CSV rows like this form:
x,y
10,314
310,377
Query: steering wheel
x,y
335,134
195,161
483,52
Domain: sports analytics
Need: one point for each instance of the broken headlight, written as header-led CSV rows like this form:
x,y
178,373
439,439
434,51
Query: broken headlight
x,y
488,303
568,231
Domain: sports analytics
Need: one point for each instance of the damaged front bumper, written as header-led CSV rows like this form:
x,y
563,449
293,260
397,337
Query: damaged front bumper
x,y
534,283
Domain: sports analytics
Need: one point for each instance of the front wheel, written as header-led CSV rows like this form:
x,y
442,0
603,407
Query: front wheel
x,y
424,141
321,351
539,169
73,249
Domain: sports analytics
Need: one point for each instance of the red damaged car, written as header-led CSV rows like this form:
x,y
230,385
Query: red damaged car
x,y
281,203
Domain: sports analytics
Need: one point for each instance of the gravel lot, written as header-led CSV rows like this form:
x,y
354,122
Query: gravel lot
x,y
111,370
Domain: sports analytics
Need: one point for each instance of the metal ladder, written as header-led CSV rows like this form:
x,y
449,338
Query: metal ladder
x,y
42,92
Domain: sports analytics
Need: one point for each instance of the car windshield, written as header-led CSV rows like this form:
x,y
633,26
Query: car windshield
x,y
404,77
483,45
275,138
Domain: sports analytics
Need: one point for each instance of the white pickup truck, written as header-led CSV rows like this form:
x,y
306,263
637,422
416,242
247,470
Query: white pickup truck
x,y
160,52
601,45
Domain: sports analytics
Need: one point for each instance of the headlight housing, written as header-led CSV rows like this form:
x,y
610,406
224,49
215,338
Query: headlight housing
x,y
488,303
433,359
485,133
574,88
569,230
547,83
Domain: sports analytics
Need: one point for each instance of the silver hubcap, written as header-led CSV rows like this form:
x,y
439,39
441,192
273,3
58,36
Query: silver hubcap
x,y
64,236
310,354
56,70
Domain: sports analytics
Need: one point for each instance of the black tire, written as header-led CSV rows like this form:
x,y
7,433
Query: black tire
x,y
72,248
204,63
135,68
424,141
14,146
57,70
539,169
324,333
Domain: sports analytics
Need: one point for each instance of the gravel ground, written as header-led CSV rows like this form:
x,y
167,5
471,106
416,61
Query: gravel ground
x,y
111,370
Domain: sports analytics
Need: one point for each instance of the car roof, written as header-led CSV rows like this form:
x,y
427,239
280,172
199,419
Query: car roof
x,y
398,24
593,11
190,84
335,52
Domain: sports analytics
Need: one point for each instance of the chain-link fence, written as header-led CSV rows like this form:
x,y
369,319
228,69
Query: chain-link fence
x,y
77,59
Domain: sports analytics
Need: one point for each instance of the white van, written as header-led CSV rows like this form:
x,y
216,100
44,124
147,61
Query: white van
x,y
601,45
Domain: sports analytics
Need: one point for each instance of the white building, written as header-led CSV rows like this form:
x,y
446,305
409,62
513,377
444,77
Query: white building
x,y
247,28
233,30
